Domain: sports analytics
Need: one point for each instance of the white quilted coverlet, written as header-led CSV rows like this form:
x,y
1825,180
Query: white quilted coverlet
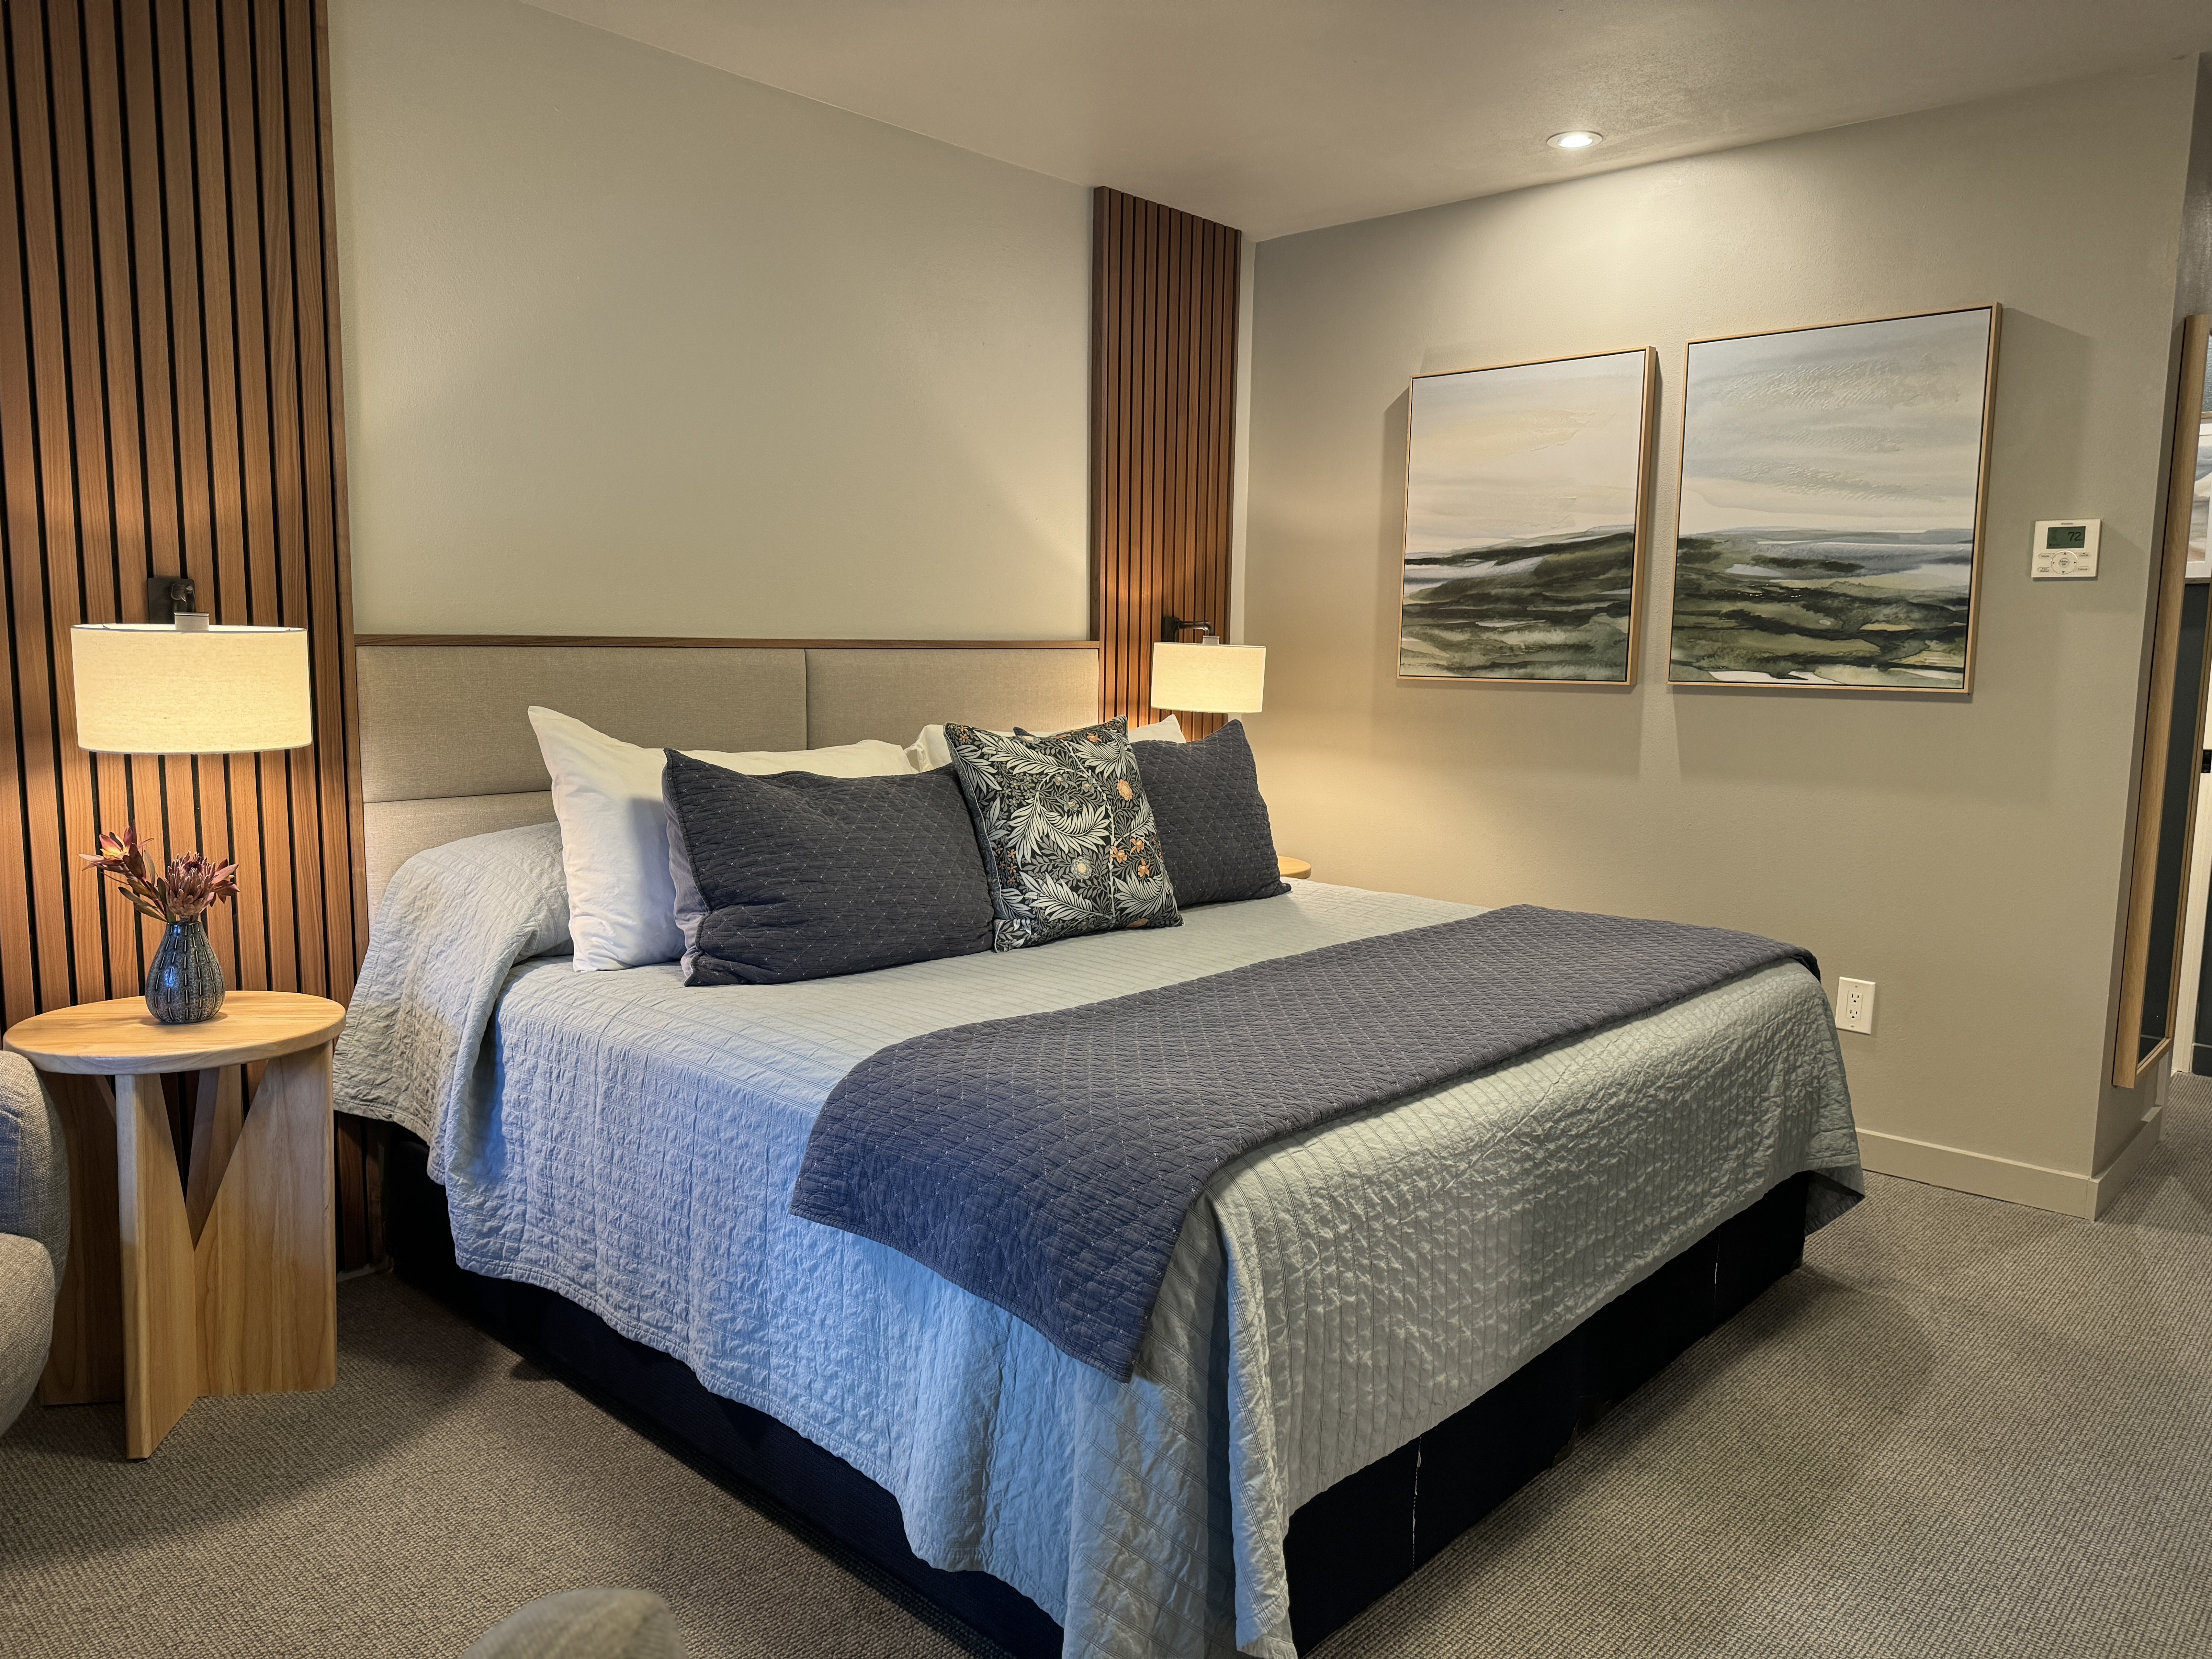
x,y
631,1143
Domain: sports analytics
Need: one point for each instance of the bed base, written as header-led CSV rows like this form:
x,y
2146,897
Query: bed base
x,y
1347,1547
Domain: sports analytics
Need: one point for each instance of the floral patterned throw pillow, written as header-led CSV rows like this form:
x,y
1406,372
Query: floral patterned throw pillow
x,y
1066,831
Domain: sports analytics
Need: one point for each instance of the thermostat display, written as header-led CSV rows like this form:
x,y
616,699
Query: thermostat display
x,y
2065,550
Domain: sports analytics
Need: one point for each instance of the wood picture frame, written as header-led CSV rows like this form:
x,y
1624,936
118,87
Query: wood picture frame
x,y
1527,521
2167,786
1834,445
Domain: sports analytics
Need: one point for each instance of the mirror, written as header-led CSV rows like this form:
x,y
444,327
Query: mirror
x,y
2174,735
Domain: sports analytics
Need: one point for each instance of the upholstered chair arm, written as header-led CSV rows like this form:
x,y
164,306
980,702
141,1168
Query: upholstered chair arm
x,y
34,1198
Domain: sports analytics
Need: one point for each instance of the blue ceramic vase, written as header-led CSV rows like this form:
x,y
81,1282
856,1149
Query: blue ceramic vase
x,y
185,985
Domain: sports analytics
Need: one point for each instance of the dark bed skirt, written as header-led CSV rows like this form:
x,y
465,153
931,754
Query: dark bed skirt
x,y
1347,1548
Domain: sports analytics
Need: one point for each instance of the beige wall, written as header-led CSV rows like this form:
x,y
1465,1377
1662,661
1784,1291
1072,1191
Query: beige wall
x,y
1964,854
637,347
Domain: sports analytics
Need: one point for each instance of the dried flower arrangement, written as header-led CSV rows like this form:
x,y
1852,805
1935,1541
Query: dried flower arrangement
x,y
182,893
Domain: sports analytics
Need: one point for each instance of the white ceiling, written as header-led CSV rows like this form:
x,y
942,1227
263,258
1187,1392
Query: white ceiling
x,y
1283,115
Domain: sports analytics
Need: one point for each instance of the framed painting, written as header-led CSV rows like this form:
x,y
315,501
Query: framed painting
x,y
1525,520
1829,527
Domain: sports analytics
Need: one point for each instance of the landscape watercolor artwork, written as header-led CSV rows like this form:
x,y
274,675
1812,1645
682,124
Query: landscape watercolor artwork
x,y
1524,517
1830,516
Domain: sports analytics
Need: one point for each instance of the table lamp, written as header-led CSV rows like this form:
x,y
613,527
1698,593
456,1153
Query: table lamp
x,y
184,688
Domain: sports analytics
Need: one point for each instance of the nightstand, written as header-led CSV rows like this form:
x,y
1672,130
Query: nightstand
x,y
227,1285
1294,869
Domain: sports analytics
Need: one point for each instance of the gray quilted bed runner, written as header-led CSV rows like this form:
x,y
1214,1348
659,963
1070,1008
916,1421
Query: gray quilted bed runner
x,y
1045,1163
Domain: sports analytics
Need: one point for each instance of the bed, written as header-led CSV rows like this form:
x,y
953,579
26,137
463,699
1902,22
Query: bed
x,y
1369,1333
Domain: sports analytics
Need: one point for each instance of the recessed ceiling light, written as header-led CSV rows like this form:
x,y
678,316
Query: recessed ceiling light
x,y
1578,139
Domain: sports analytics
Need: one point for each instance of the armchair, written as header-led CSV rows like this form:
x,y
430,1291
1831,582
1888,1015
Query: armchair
x,y
34,1230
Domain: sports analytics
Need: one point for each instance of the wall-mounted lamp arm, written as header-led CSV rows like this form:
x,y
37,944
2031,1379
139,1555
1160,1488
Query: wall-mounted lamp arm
x,y
167,595
1173,628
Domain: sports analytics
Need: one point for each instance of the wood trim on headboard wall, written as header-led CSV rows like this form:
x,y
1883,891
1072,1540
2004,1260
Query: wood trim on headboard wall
x,y
1163,435
169,402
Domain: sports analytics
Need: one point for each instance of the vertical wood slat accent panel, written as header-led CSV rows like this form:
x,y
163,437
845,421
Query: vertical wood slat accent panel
x,y
169,402
1162,451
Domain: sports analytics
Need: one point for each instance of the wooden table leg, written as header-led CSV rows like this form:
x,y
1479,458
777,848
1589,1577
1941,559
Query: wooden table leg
x,y
160,1340
86,1361
148,1314
267,1262
217,1118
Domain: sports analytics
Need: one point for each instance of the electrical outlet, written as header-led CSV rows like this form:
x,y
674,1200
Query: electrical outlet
x,y
1855,1005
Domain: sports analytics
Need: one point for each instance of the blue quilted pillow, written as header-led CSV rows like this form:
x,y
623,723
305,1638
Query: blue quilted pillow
x,y
1066,833
793,876
1205,800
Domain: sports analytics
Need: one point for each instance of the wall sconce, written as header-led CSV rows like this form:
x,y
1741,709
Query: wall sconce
x,y
188,689
1209,678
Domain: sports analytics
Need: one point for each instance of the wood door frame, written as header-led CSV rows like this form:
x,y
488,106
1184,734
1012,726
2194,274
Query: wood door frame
x,y
2129,1065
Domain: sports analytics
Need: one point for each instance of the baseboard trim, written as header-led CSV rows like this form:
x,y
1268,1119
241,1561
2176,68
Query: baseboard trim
x,y
1963,1171
1989,1176
2109,1180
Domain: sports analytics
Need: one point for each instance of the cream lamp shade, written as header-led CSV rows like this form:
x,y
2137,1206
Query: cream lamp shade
x,y
1209,679
152,689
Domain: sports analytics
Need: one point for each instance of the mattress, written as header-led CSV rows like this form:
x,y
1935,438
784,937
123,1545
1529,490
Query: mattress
x,y
630,1143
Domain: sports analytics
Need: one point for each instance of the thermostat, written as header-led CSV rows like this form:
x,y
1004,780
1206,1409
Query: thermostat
x,y
2065,549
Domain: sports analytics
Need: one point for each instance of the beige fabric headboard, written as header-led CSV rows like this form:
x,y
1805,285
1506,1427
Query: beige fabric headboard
x,y
447,748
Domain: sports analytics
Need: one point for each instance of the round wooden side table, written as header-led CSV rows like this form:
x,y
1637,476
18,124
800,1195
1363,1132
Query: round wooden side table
x,y
223,1284
1294,869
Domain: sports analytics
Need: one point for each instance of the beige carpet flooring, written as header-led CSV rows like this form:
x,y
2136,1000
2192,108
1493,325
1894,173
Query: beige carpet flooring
x,y
1963,1428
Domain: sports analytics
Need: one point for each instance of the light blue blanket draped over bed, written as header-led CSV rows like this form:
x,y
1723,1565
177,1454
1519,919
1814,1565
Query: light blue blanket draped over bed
x,y
631,1145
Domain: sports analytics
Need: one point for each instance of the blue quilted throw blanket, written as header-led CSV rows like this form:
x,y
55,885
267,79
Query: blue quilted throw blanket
x,y
1046,1162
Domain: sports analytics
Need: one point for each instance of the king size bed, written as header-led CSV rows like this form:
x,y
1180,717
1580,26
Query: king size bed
x,y
1365,1329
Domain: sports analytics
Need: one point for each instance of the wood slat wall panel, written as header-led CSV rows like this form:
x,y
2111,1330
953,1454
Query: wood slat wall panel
x,y
1163,393
169,401
39,414
84,461
112,263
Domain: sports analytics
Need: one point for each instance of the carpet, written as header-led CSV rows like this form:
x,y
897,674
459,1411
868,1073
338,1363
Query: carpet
x,y
1962,1428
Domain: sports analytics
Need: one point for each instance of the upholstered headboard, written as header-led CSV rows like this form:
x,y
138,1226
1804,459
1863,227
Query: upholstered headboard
x,y
447,748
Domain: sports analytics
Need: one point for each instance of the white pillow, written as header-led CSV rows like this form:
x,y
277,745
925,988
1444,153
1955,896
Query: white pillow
x,y
614,830
929,751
